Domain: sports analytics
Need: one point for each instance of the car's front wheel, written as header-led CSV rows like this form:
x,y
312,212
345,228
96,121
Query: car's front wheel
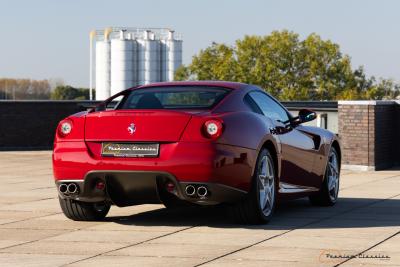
x,y
328,194
259,204
84,211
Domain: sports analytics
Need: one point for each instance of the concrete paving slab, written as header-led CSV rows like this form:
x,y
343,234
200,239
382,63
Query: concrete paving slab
x,y
152,249
28,234
221,239
259,263
34,232
118,261
46,205
63,248
43,224
10,243
106,236
36,260
296,256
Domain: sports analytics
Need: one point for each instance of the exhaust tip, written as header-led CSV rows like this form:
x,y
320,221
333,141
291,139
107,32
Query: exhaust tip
x,y
63,188
202,191
190,190
72,188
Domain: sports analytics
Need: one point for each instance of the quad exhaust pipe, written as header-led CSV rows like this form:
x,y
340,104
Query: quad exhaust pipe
x,y
199,191
72,188
202,191
63,188
68,189
190,190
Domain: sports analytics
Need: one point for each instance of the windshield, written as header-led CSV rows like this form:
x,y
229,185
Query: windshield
x,y
174,97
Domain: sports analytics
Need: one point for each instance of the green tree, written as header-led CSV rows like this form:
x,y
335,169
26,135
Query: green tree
x,y
286,67
66,92
384,89
182,73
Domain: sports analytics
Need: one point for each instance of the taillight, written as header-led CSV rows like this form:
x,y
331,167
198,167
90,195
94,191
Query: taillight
x,y
213,129
65,128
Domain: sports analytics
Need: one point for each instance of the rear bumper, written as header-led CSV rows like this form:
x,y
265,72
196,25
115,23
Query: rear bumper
x,y
127,188
186,162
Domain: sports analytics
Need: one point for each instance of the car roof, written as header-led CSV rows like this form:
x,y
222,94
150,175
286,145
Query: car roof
x,y
230,85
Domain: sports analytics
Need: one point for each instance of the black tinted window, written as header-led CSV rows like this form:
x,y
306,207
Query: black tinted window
x,y
269,107
174,97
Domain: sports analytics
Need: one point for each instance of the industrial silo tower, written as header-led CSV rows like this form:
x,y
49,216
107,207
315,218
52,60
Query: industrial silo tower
x,y
128,57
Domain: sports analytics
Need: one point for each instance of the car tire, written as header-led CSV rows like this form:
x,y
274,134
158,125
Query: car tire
x,y
328,194
84,211
250,209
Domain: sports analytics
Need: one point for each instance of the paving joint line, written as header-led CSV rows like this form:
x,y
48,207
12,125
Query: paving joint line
x,y
29,201
130,245
36,240
27,219
368,249
296,228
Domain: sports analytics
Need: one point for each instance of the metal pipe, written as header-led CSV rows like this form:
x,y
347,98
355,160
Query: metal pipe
x,y
91,36
202,191
62,188
72,188
190,190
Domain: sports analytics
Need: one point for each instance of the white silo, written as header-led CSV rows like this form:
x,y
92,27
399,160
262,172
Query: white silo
x,y
163,60
103,71
134,58
153,55
141,59
173,56
149,59
122,64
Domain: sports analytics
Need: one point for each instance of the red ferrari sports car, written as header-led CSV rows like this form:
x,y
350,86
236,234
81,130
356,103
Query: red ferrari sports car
x,y
204,143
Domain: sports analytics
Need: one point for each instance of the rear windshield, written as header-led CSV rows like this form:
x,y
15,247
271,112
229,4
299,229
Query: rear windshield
x,y
174,97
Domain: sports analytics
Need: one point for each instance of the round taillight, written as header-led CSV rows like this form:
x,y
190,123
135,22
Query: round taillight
x,y
213,128
65,128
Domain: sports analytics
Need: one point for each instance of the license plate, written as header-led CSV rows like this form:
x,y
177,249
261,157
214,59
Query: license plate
x,y
125,150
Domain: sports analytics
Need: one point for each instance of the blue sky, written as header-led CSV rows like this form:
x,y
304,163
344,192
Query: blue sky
x,y
44,39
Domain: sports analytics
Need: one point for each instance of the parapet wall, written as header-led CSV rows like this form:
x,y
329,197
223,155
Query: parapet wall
x,y
30,125
369,130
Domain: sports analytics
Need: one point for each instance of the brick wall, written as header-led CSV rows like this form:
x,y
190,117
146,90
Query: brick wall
x,y
354,134
368,131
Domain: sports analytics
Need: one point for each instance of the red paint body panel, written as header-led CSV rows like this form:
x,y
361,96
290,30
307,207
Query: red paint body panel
x,y
187,161
111,125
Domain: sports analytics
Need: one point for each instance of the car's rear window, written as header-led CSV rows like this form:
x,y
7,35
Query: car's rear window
x,y
174,97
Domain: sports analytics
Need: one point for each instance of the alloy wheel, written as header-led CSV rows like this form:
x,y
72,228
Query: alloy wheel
x,y
266,177
333,175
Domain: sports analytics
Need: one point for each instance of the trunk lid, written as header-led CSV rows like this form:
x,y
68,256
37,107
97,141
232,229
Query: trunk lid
x,y
136,125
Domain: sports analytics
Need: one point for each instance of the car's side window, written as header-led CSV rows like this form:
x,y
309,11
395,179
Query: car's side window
x,y
269,107
248,100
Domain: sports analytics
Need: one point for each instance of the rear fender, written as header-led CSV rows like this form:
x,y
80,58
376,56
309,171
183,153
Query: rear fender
x,y
78,128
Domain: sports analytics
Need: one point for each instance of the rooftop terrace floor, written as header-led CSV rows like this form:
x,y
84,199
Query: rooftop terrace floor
x,y
34,232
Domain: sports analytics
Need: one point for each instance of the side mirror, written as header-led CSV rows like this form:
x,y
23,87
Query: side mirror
x,y
305,115
100,107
